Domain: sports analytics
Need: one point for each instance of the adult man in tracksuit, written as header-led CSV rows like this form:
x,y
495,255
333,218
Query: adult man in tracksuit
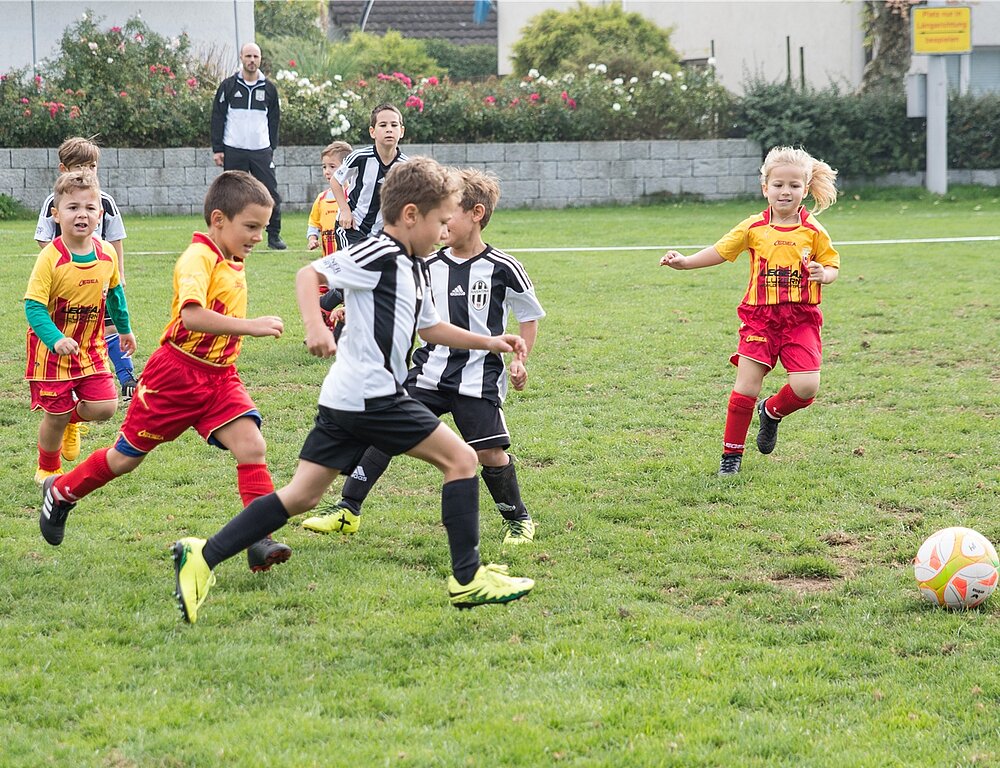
x,y
245,119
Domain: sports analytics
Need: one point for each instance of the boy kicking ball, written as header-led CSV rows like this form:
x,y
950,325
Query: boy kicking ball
x,y
362,403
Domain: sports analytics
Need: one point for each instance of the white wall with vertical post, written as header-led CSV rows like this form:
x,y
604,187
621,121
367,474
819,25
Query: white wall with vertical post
x,y
937,124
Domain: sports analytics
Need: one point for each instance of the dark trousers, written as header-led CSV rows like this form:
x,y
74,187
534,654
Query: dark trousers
x,y
260,165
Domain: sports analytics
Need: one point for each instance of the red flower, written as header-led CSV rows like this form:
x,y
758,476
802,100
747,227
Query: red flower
x,y
153,68
415,101
432,80
515,102
534,97
571,103
116,29
564,96
123,94
291,63
490,100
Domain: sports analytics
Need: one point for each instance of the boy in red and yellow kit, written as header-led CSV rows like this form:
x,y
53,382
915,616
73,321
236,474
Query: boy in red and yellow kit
x,y
791,256
323,226
191,379
74,279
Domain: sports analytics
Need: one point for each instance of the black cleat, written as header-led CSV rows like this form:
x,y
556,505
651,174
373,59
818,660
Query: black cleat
x,y
275,243
52,520
265,553
730,464
128,389
767,435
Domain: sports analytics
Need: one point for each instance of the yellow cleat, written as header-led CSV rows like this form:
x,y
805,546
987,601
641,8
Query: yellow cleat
x,y
41,474
335,519
518,532
193,577
490,585
71,441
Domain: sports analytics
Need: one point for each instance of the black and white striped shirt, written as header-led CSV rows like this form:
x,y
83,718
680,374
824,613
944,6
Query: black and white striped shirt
x,y
362,172
387,299
477,294
111,227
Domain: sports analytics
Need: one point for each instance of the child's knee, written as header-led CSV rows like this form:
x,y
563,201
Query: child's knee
x,y
805,389
101,411
466,460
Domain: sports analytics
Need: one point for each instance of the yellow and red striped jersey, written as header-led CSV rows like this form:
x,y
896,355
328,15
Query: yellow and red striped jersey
x,y
323,220
75,295
204,277
778,255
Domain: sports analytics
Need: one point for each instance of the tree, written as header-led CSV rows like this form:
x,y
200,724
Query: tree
x,y
627,43
887,42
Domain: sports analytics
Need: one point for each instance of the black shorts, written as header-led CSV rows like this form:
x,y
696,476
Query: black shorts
x,y
393,424
480,422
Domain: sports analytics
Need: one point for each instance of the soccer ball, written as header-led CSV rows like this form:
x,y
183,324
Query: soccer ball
x,y
956,568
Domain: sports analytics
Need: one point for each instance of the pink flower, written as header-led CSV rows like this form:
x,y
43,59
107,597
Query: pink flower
x,y
116,29
192,82
27,113
139,38
74,112
515,102
153,68
69,91
291,63
403,79
534,97
38,79
382,76
415,101
123,95
490,100
571,103
432,80
362,84
564,96
24,100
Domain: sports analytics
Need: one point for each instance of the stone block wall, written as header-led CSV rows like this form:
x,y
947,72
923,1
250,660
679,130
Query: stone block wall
x,y
534,175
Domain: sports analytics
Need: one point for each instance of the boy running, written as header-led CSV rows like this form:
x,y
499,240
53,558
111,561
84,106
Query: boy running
x,y
191,379
80,154
476,287
362,402
75,279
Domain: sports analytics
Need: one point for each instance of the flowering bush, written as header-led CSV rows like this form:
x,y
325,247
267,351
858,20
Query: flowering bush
x,y
686,104
129,85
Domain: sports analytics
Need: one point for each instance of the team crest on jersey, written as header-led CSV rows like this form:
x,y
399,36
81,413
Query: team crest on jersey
x,y
479,294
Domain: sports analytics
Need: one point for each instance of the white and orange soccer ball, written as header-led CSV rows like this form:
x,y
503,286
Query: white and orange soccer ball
x,y
956,568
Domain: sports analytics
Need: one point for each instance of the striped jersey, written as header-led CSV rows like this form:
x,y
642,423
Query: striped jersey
x,y
75,295
323,221
203,276
477,294
387,300
363,173
778,255
111,227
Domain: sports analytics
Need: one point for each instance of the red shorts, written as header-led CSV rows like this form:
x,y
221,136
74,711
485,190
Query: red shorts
x,y
177,391
60,397
786,332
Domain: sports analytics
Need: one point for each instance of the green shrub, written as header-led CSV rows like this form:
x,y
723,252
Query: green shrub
x,y
463,62
568,41
288,18
13,209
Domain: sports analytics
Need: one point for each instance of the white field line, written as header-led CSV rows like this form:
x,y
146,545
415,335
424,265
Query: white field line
x,y
663,248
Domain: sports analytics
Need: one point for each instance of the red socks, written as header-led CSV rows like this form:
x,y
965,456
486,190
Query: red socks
x,y
253,481
785,403
89,475
738,418
49,461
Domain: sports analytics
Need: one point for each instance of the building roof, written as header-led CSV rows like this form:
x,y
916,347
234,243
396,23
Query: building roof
x,y
445,19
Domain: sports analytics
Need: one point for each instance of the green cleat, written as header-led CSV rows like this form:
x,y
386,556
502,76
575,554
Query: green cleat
x,y
490,585
193,576
336,519
517,532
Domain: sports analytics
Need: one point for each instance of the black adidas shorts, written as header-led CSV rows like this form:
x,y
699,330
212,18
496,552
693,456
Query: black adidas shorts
x,y
393,424
479,421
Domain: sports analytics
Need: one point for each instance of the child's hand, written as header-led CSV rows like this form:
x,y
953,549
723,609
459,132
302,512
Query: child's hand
x,y
268,325
313,243
66,346
817,272
128,344
518,374
674,260
339,315
320,342
345,218
509,342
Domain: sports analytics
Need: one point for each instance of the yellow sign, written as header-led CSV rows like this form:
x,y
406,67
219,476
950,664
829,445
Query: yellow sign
x,y
942,30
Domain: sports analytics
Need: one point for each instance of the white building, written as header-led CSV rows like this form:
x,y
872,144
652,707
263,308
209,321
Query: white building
x,y
816,41
32,29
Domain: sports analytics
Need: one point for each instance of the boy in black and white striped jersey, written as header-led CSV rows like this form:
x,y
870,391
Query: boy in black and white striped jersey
x,y
476,287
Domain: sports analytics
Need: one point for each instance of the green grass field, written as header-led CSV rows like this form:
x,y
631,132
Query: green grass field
x,y
678,619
